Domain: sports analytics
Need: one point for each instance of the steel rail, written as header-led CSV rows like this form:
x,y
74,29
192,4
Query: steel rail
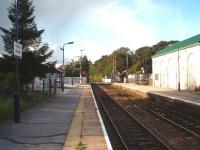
x,y
139,123
169,120
113,124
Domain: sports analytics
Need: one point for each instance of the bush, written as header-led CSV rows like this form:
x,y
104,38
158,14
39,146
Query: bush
x,y
7,84
6,109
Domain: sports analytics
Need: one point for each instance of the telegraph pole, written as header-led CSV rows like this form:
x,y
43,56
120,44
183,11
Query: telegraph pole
x,y
127,65
17,103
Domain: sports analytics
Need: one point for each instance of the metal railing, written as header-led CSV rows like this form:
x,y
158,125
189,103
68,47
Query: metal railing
x,y
75,80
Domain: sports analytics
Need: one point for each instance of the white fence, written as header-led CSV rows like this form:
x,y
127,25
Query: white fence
x,y
75,80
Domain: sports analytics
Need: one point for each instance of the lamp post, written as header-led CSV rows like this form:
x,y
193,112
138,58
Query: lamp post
x,y
63,49
81,66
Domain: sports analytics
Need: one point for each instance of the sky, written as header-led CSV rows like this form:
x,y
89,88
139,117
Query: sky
x,y
102,26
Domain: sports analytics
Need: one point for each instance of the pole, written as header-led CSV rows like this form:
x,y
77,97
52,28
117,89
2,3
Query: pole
x,y
49,86
64,66
17,103
73,73
80,72
178,72
127,65
81,67
43,89
113,70
63,80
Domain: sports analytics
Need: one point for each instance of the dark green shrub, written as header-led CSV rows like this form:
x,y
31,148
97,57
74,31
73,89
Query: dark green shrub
x,y
7,84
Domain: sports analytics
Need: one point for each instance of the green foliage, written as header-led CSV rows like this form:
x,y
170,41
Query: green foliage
x,y
7,84
85,65
141,58
26,101
73,68
6,108
33,63
104,66
80,146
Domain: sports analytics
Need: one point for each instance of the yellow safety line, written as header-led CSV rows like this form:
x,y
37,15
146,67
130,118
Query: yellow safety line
x,y
75,132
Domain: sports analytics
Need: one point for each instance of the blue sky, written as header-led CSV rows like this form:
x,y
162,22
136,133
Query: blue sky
x,y
101,26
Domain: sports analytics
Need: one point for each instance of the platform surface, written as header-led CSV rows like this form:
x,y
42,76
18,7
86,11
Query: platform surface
x,y
86,130
43,127
183,95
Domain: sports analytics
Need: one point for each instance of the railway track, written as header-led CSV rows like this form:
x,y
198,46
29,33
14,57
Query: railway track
x,y
131,132
186,124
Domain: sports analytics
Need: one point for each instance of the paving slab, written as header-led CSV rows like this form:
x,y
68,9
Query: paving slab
x,y
43,127
183,95
86,127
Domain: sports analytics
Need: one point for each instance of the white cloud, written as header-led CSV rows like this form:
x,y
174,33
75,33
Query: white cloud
x,y
120,27
101,27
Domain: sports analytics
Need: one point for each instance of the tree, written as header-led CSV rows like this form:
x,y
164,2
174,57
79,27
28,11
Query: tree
x,y
104,66
73,68
142,56
85,63
121,58
34,62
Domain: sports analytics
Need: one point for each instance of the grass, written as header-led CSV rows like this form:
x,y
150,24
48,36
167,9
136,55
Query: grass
x,y
80,146
6,108
26,101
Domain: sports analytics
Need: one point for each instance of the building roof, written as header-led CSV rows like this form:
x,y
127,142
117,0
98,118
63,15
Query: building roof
x,y
179,46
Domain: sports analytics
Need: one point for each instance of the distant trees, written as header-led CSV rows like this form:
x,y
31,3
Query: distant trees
x,y
142,56
116,62
106,65
120,58
100,68
73,68
35,54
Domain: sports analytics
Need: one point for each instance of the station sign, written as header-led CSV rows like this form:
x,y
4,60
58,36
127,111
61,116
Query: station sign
x,y
17,50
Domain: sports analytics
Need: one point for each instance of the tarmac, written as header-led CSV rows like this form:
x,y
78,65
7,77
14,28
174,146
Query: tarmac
x,y
66,121
182,95
43,127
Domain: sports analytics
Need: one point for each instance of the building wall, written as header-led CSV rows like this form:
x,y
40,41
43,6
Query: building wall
x,y
165,69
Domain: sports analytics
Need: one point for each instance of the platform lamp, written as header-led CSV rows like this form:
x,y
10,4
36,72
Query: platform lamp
x,y
63,49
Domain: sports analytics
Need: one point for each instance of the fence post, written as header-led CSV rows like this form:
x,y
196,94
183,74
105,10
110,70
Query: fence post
x,y
32,90
50,86
55,86
43,89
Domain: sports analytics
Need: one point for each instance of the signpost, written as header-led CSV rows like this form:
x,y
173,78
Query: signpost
x,y
17,50
17,53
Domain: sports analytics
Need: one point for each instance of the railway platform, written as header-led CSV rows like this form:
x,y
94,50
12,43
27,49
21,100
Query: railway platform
x,y
44,126
182,96
87,130
67,120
